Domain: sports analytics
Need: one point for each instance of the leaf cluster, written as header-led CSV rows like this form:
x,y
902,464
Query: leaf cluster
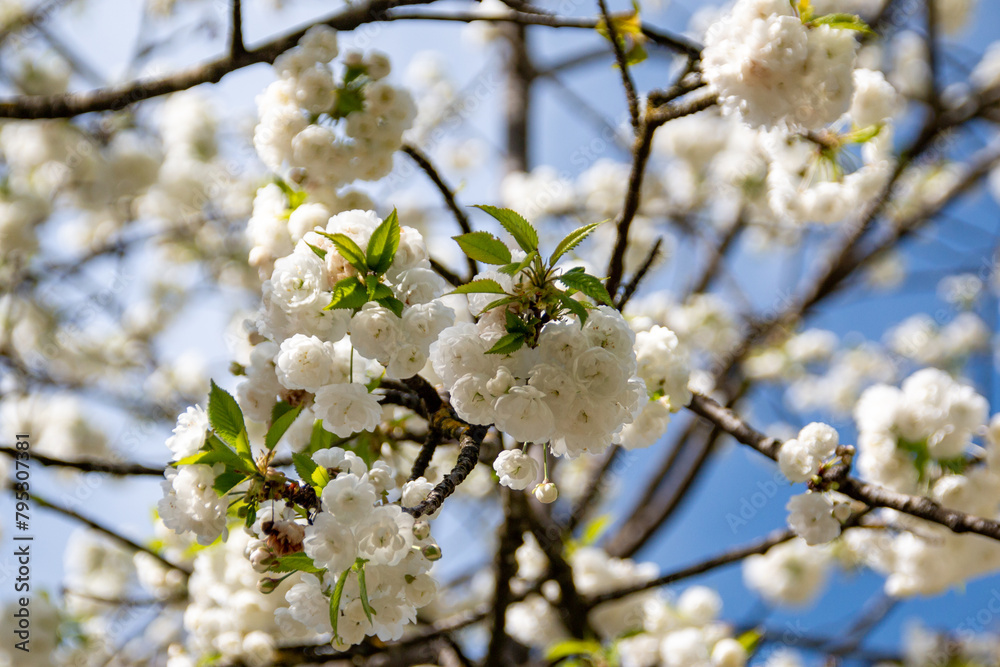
x,y
544,293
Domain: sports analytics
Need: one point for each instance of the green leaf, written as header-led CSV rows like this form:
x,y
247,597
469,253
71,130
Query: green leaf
x,y
571,647
840,21
216,451
392,303
349,100
320,438
500,302
382,291
371,283
225,482
574,306
588,284
319,251
483,286
297,562
251,515
515,324
594,529
383,244
750,640
279,426
338,593
280,408
349,250
508,344
484,247
863,135
359,567
515,224
348,294
515,268
226,418
573,239
304,466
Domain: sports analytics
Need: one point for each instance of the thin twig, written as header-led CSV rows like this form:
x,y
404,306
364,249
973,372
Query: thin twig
x,y
618,47
446,192
110,468
236,46
731,556
65,511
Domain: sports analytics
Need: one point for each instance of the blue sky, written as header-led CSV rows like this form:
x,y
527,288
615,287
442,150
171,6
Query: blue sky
x,y
700,527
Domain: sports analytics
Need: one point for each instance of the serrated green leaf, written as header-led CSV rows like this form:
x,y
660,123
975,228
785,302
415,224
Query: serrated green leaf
x,y
382,290
304,466
508,344
515,268
225,482
383,244
348,294
482,286
515,324
359,568
515,224
338,593
251,515
574,306
484,247
226,418
573,239
371,282
319,478
571,647
392,303
297,562
500,302
316,249
841,21
588,284
349,250
279,426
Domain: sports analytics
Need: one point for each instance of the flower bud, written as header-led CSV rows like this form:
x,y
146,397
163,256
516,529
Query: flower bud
x,y
261,560
431,552
421,530
267,585
546,492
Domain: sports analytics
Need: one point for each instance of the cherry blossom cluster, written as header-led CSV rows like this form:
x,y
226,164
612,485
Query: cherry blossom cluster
x,y
307,349
370,558
775,68
331,127
645,628
577,389
918,439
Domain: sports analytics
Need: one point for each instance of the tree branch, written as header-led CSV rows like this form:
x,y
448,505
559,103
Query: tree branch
x,y
65,511
110,468
618,48
236,47
870,494
449,197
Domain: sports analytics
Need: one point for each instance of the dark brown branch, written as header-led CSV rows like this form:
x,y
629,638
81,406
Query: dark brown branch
x,y
237,49
65,511
450,276
470,441
446,192
640,156
731,556
505,566
114,98
870,494
110,468
660,37
637,279
572,608
618,47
